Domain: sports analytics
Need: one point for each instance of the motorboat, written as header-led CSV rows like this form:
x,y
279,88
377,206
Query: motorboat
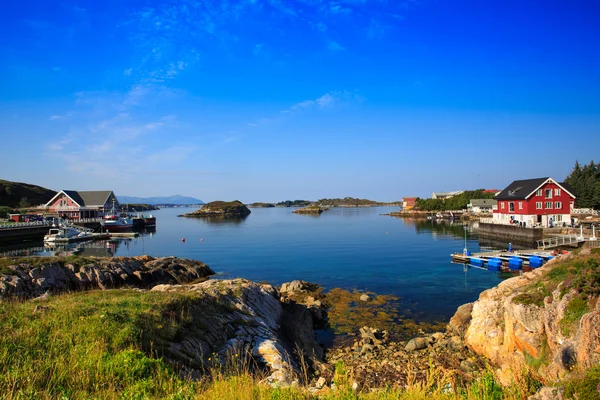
x,y
61,234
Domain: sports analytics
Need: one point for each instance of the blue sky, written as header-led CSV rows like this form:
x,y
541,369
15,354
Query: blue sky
x,y
267,100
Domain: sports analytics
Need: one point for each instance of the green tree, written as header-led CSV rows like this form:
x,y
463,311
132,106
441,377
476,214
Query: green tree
x,y
585,182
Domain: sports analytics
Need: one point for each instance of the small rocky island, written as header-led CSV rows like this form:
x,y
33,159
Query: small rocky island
x,y
220,209
311,209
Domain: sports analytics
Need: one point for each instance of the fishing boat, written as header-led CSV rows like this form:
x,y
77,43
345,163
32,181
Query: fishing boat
x,y
114,222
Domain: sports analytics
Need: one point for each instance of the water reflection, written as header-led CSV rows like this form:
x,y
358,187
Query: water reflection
x,y
223,220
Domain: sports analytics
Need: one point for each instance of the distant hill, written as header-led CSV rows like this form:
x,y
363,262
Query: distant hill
x,y
18,194
177,199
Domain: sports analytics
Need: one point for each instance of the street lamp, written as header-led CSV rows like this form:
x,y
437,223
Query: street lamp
x,y
465,249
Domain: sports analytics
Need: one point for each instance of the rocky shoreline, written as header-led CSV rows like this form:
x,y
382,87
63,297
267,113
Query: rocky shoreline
x,y
312,209
511,327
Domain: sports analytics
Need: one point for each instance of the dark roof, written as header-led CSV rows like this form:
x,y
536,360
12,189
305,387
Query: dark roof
x,y
568,188
89,198
95,197
519,190
75,196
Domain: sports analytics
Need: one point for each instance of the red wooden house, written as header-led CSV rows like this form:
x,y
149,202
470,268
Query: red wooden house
x,y
408,202
82,204
541,201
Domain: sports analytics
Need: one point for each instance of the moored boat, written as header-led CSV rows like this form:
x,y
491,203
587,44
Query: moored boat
x,y
114,222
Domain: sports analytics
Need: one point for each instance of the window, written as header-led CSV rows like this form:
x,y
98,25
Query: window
x,y
511,207
558,205
502,206
559,218
539,192
557,192
520,205
548,193
538,205
548,205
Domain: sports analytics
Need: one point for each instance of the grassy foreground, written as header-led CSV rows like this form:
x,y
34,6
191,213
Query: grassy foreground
x,y
107,345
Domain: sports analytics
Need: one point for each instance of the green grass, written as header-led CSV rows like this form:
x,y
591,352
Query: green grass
x,y
586,388
576,309
534,295
91,345
38,261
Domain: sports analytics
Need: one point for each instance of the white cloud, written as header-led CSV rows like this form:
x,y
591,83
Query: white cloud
x,y
330,99
59,117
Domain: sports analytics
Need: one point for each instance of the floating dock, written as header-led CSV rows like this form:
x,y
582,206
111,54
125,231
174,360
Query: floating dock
x,y
123,234
504,260
83,238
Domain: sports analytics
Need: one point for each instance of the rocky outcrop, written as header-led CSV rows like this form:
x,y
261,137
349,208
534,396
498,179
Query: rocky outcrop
x,y
515,334
253,321
312,209
58,275
220,209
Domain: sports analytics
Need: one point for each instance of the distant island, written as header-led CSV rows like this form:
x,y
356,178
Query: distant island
x,y
294,203
220,209
354,202
311,209
176,200
261,205
138,207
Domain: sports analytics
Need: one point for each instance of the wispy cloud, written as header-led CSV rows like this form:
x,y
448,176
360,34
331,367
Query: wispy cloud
x,y
328,100
59,117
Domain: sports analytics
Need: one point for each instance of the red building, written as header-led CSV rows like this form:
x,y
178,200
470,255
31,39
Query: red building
x,y
82,204
408,202
541,201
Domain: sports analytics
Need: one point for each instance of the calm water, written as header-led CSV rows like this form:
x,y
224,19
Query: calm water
x,y
352,248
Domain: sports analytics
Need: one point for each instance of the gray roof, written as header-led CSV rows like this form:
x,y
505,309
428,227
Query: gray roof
x,y
483,202
89,198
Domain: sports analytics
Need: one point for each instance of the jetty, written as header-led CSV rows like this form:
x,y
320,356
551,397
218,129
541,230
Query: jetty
x,y
505,260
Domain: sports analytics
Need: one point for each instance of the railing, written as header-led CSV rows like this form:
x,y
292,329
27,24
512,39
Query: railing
x,y
7,225
559,241
578,211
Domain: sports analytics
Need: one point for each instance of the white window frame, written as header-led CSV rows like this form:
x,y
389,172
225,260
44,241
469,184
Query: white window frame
x,y
511,207
548,192
538,192
557,192
558,205
502,205
539,205
520,205
548,203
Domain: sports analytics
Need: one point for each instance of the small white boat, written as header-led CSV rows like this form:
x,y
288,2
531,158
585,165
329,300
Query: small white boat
x,y
59,234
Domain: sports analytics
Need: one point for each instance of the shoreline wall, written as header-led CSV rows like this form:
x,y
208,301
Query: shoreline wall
x,y
510,233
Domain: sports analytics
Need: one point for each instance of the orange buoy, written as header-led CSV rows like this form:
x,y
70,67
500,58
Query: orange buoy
x,y
183,240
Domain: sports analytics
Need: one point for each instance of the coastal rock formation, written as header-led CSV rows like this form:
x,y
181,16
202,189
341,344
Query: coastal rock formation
x,y
312,209
521,323
27,279
253,322
220,209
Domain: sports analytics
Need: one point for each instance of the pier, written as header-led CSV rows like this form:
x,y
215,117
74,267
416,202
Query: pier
x,y
504,260
16,232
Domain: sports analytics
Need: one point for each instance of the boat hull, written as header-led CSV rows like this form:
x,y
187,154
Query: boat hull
x,y
118,227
